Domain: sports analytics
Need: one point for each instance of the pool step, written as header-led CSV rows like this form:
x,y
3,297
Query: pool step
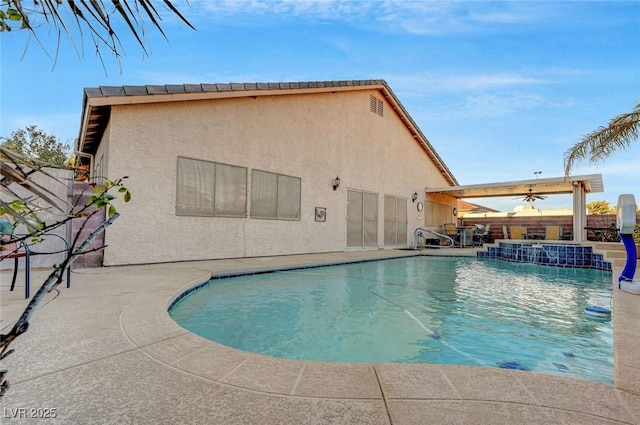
x,y
615,253
621,262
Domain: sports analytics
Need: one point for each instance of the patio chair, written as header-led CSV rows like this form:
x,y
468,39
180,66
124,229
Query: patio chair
x,y
481,234
487,235
451,230
566,236
552,232
505,234
515,232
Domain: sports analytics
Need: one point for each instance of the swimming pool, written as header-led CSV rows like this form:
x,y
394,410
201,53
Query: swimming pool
x,y
415,310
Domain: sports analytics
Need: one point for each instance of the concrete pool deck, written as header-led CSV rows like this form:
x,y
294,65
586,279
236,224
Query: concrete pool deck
x,y
106,351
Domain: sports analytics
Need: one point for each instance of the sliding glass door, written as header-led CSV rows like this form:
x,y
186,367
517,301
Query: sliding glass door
x,y
395,221
362,219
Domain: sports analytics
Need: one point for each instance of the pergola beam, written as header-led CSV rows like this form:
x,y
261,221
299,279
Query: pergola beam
x,y
578,186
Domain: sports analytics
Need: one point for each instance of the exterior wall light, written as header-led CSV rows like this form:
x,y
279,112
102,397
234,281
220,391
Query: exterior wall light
x,y
336,183
414,197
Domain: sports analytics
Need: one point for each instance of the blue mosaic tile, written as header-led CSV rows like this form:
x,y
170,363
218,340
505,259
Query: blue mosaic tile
x,y
548,255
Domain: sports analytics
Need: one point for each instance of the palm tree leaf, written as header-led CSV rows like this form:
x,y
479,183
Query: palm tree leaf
x,y
177,13
11,174
601,143
132,28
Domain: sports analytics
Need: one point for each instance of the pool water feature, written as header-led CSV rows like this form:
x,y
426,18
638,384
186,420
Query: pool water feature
x,y
438,310
548,254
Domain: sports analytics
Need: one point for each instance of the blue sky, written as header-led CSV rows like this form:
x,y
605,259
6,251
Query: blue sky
x,y
500,89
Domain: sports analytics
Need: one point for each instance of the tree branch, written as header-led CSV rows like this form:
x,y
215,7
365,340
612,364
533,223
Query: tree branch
x,y
22,325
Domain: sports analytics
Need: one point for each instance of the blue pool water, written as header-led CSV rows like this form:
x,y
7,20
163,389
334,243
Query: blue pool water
x,y
415,310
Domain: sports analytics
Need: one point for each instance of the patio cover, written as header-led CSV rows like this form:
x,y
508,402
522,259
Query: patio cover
x,y
579,186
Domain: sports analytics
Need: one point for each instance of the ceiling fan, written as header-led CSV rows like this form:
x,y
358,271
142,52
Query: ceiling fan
x,y
530,197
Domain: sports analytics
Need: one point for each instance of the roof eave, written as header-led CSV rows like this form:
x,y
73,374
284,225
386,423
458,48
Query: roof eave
x,y
106,97
592,183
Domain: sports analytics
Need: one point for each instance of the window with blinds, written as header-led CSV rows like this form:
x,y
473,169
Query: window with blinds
x,y
275,196
206,188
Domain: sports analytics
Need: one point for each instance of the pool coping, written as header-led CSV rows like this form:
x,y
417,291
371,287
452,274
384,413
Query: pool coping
x,y
374,393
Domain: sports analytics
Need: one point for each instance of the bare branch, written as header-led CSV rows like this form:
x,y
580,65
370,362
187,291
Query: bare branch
x,y
54,279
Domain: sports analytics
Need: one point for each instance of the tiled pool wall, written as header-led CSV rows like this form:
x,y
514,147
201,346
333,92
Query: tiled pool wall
x,y
562,255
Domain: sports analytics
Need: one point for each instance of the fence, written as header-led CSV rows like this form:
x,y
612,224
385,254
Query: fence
x,y
61,188
79,193
537,224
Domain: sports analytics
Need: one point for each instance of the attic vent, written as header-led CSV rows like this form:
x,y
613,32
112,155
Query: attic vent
x,y
375,105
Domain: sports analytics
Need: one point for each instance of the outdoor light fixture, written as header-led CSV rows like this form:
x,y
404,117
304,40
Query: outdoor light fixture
x,y
537,173
414,197
336,183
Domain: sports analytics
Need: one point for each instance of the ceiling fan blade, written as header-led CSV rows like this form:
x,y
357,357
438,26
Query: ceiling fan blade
x,y
530,197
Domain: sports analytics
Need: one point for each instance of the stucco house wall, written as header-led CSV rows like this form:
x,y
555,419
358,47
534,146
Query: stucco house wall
x,y
315,137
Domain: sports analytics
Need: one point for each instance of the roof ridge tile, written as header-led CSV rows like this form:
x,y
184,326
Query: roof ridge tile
x,y
193,88
209,87
175,88
112,90
156,89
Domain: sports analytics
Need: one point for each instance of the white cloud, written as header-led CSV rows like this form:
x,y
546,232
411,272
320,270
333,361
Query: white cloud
x,y
461,82
312,9
481,94
423,17
511,12
496,105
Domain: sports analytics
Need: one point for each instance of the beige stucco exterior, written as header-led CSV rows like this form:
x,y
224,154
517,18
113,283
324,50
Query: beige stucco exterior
x,y
315,137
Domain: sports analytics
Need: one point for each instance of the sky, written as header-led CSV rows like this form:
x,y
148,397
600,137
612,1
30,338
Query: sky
x,y
500,89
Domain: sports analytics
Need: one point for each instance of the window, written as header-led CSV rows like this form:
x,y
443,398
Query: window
x,y
206,188
264,194
275,196
230,191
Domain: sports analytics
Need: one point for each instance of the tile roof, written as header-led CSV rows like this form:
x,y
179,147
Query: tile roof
x,y
105,91
98,101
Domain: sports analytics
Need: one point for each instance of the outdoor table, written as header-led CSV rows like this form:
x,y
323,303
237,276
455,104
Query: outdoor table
x,y
533,235
604,234
466,235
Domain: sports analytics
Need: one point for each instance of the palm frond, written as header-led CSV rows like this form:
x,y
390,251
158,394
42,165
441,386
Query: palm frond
x,y
601,143
101,18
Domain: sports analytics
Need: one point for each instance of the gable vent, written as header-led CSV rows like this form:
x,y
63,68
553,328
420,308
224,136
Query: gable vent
x,y
376,106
